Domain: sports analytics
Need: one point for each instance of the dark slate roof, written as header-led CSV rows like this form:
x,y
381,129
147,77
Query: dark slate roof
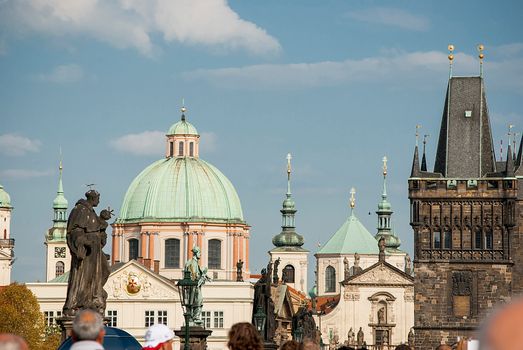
x,y
519,159
465,147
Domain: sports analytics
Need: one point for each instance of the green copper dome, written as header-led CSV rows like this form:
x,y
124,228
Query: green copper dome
x,y
5,199
352,237
181,189
182,127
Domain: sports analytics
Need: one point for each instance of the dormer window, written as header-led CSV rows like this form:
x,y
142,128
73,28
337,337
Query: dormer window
x,y
180,149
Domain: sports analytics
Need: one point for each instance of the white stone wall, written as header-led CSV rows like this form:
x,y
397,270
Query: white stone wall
x,y
299,261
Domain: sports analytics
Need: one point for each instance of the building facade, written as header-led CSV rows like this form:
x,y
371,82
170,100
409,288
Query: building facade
x,y
58,257
176,203
288,251
467,223
7,244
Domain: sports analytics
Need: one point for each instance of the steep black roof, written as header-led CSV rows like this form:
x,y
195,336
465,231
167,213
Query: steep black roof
x,y
465,147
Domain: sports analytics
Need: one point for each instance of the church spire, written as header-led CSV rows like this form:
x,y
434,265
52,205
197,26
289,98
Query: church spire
x,y
288,237
415,171
60,202
423,157
384,215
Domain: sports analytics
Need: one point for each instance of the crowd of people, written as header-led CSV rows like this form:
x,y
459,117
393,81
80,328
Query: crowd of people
x,y
503,330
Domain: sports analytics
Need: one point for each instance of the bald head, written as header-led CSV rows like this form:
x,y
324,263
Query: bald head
x,y
503,330
88,325
12,342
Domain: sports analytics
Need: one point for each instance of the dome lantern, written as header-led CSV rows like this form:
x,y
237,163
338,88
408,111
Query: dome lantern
x,y
182,139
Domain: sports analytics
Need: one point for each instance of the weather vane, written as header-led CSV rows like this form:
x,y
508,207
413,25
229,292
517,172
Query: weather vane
x,y
90,186
418,126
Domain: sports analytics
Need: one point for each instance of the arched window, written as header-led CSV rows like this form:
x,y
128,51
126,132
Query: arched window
x,y
5,233
191,149
330,279
180,148
477,238
288,274
447,239
59,268
172,253
436,238
489,240
171,149
215,254
133,249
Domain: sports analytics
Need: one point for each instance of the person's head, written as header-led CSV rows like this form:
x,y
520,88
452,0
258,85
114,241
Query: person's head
x,y
243,336
503,329
444,347
12,342
196,252
88,325
93,197
159,337
290,345
309,345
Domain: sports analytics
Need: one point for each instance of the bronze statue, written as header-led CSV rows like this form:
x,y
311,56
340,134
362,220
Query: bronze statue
x,y
198,274
262,298
239,269
303,319
86,238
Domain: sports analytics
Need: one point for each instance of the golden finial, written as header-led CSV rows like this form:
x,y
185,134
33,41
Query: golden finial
x,y
481,47
451,58
418,126
183,109
352,198
384,166
289,157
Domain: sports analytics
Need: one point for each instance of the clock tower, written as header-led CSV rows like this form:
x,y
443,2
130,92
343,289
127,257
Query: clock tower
x,y
58,260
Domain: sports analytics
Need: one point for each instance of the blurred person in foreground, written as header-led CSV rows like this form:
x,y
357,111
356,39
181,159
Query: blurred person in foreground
x,y
244,336
290,345
503,329
159,337
88,331
309,345
12,342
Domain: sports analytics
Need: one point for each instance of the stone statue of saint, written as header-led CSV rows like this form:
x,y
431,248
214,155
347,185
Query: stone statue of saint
x,y
408,264
86,238
198,274
350,337
275,272
356,269
381,246
239,268
360,339
346,271
381,315
411,337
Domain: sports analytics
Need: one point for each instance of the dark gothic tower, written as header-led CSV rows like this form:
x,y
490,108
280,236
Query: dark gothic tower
x,y
468,241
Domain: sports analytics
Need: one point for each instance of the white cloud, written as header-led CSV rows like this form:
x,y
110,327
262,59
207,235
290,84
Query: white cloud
x,y
392,66
16,145
152,143
22,174
327,73
67,73
392,17
147,143
133,23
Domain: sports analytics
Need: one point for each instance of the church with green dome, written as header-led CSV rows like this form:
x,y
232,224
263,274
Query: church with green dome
x,y
178,202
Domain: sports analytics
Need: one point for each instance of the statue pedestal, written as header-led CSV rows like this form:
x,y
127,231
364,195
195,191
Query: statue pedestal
x,y
197,337
66,325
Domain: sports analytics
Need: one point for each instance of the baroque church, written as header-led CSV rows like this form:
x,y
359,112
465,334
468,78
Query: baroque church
x,y
467,221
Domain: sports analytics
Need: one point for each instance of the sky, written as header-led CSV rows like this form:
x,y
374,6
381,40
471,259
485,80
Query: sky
x,y
339,84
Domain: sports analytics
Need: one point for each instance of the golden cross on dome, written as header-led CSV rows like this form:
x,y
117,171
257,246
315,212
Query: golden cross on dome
x,y
352,198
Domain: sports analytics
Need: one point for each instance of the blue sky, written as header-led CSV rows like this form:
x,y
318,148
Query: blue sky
x,y
339,84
